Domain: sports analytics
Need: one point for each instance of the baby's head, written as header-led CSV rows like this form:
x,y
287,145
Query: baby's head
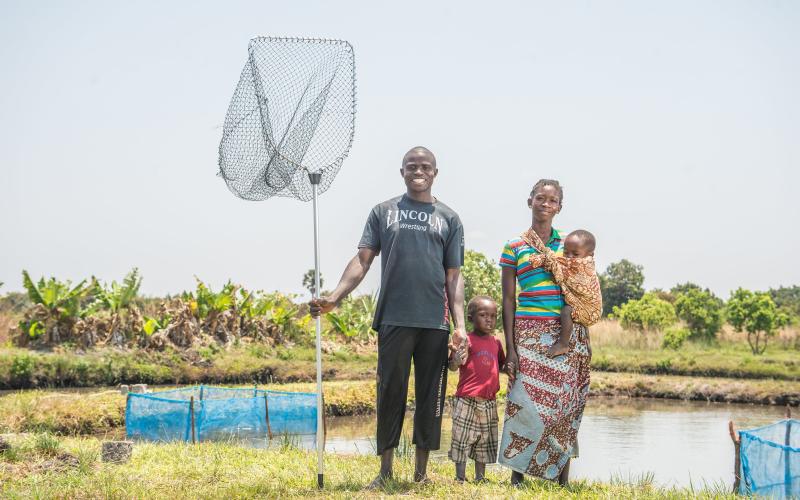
x,y
579,244
482,312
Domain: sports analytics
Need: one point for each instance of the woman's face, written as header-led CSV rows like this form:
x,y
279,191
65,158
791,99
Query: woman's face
x,y
545,203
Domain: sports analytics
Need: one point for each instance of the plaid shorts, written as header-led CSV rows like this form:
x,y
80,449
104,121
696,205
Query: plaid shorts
x,y
474,430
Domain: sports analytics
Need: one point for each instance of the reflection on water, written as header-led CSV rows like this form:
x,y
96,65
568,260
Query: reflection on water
x,y
681,443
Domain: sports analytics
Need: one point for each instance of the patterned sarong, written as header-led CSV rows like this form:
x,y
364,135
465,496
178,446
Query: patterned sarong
x,y
545,404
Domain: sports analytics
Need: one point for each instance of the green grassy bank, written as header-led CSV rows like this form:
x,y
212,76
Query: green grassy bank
x,y
40,466
257,363
103,410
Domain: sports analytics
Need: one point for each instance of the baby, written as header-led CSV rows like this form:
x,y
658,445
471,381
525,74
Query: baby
x,y
574,272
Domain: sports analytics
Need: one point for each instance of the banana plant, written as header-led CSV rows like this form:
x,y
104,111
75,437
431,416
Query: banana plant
x,y
353,318
57,306
117,297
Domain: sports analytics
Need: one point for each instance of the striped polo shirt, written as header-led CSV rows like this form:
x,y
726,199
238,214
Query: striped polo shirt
x,y
539,297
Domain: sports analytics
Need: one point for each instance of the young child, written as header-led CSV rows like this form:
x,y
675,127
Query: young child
x,y
474,406
576,275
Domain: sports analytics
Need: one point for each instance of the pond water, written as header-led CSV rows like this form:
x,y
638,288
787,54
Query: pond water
x,y
680,443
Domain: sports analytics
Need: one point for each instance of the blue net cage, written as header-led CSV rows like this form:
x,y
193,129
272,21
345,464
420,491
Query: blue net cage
x,y
770,460
214,413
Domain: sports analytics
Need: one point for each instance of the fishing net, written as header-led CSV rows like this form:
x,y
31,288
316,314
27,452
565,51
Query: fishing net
x,y
292,113
219,414
770,460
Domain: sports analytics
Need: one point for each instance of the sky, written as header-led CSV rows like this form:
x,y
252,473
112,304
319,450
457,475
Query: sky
x,y
673,127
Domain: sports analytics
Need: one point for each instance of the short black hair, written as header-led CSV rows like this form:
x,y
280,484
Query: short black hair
x,y
420,148
472,307
549,182
586,238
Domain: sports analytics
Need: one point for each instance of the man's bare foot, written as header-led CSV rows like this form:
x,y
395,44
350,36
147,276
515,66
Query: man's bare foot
x,y
421,478
378,483
557,349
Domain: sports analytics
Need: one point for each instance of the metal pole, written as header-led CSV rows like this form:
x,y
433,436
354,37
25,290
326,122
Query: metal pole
x,y
315,179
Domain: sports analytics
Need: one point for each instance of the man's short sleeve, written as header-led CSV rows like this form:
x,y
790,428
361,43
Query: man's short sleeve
x,y
371,237
509,257
454,246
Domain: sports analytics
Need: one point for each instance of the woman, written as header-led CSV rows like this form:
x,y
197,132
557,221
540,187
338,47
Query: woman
x,y
547,395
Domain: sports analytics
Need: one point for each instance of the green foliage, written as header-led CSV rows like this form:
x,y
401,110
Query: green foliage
x,y
684,287
204,301
787,298
308,281
702,312
674,337
756,314
117,297
622,281
481,277
646,314
59,298
353,317
14,302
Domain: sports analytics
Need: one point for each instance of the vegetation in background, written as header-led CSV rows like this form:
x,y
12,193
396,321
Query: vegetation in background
x,y
756,314
702,312
622,281
646,314
482,277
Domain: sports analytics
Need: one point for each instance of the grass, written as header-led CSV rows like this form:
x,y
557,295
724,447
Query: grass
x,y
64,367
102,411
219,470
618,350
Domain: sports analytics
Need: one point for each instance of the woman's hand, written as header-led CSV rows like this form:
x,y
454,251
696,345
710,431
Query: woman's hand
x,y
512,365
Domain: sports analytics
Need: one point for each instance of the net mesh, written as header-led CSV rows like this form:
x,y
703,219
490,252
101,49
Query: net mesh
x,y
770,460
293,112
219,413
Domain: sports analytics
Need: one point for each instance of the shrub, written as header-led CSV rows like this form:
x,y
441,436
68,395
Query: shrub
x,y
756,314
646,314
622,281
701,311
481,277
674,337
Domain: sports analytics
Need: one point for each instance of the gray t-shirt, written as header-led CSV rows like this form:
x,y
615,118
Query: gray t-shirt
x,y
417,242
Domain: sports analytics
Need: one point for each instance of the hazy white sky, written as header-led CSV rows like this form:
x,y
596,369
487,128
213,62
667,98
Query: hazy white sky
x,y
673,126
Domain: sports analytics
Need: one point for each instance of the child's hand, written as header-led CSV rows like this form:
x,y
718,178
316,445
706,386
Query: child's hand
x,y
459,355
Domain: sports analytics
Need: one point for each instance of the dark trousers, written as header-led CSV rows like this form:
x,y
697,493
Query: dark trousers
x,y
397,346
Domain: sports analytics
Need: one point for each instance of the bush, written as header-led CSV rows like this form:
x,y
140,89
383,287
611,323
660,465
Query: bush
x,y
701,311
756,314
674,337
646,314
481,277
622,281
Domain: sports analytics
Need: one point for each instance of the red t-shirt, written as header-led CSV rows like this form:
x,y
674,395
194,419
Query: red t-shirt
x,y
480,375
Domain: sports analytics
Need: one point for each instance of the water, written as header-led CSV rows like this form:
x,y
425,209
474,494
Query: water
x,y
681,443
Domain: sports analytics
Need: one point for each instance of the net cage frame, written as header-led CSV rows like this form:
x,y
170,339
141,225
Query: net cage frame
x,y
769,462
211,413
296,184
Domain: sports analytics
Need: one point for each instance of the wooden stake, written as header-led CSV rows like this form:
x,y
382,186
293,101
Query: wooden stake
x,y
736,456
191,411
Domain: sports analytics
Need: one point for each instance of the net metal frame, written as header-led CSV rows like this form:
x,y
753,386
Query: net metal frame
x,y
292,113
289,126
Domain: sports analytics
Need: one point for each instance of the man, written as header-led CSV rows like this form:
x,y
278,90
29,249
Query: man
x,y
421,242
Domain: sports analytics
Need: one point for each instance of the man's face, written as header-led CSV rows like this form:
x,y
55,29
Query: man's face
x,y
419,170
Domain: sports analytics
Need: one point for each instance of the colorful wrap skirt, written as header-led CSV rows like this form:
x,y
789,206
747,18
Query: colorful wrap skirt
x,y
545,404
